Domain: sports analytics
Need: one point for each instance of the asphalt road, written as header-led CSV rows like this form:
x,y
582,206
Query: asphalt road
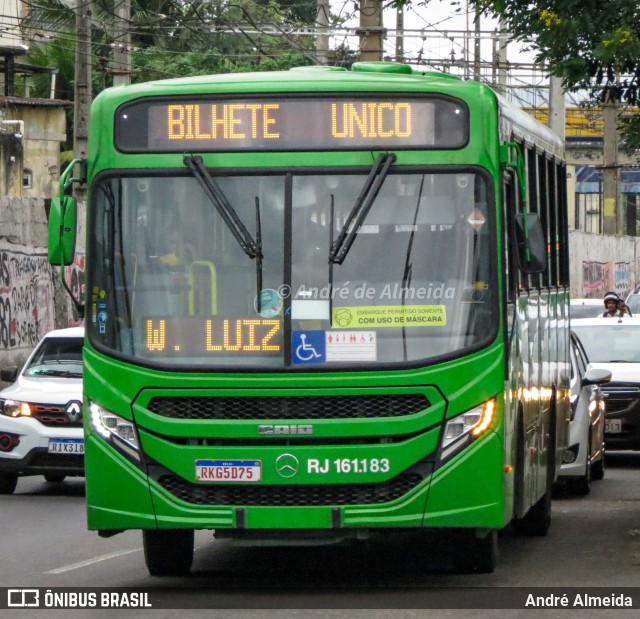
x,y
594,542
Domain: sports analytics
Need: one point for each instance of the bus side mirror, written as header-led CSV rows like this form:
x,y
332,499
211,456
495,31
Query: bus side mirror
x,y
62,230
532,249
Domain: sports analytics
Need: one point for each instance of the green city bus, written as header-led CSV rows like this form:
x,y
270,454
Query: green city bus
x,y
321,304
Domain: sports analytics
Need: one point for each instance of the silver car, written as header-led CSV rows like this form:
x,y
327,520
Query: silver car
x,y
583,460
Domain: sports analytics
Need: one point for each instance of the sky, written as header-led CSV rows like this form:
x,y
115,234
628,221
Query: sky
x,y
435,35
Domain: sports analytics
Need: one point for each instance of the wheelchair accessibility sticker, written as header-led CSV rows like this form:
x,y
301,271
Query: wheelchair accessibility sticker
x,y
308,347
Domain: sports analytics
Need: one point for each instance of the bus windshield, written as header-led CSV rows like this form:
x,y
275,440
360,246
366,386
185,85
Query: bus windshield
x,y
171,286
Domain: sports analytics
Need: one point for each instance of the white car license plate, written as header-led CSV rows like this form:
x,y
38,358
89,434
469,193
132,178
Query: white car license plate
x,y
233,471
613,426
66,446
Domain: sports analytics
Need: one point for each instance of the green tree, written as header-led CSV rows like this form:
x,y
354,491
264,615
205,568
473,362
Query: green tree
x,y
591,45
170,38
174,38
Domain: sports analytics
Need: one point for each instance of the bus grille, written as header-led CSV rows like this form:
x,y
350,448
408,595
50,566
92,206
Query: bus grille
x,y
291,495
289,407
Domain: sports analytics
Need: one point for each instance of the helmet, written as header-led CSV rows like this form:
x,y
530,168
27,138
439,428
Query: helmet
x,y
611,296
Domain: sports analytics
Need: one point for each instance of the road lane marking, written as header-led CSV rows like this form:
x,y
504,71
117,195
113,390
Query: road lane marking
x,y
113,555
76,566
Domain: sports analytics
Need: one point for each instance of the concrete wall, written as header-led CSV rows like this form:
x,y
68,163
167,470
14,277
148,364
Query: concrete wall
x,y
601,263
27,288
31,131
32,298
44,132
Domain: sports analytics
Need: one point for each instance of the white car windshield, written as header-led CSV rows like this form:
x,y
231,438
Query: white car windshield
x,y
57,356
610,343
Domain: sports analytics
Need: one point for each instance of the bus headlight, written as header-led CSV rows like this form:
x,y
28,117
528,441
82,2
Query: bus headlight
x,y
463,429
115,430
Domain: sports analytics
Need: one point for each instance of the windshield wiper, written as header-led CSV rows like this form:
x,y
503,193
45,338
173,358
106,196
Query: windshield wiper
x,y
259,257
364,201
58,361
407,272
252,248
223,206
65,373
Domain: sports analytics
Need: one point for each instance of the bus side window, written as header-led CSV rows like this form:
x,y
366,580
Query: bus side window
x,y
509,206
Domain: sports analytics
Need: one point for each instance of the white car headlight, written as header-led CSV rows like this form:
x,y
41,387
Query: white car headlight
x,y
115,430
15,408
463,429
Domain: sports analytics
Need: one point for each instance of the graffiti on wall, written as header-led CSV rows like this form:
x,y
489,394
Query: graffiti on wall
x,y
26,299
623,278
74,274
599,278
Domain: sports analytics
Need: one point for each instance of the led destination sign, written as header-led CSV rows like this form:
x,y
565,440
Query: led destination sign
x,y
290,124
211,336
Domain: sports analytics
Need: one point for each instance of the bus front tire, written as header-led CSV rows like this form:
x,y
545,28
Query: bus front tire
x,y
477,552
168,552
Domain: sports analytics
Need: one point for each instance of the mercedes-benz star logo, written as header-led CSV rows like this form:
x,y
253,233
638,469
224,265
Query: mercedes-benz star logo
x,y
73,411
287,465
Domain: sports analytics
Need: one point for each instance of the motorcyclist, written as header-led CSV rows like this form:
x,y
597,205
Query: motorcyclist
x,y
612,306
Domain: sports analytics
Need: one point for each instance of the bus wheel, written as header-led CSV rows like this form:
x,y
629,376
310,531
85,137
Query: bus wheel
x,y
477,551
168,552
8,483
537,520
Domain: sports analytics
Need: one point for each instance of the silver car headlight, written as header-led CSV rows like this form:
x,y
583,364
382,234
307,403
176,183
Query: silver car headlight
x,y
465,428
117,431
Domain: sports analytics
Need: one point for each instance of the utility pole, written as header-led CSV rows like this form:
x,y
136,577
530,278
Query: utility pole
x,y
122,43
556,107
81,109
371,30
501,57
399,34
82,87
476,47
82,83
322,40
612,219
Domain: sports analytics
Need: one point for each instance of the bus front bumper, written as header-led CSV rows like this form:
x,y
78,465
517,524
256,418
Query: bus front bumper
x,y
459,494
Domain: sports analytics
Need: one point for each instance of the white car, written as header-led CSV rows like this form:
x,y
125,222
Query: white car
x,y
614,344
583,460
41,412
633,301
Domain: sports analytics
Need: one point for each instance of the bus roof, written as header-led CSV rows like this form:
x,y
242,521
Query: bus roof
x,y
363,77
